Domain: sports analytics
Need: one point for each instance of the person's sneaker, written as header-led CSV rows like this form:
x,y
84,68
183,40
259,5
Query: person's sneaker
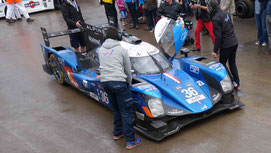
x,y
10,21
264,44
236,86
117,137
152,30
29,20
137,26
257,43
131,26
123,23
195,50
131,145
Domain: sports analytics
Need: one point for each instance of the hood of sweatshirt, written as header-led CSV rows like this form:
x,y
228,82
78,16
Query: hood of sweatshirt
x,y
110,43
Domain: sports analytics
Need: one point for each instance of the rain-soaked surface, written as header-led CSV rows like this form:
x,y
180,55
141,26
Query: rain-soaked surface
x,y
39,115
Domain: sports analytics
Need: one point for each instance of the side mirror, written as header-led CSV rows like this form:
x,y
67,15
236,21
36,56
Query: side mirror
x,y
185,51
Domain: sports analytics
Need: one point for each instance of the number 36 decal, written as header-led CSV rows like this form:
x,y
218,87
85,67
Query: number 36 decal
x,y
189,92
103,96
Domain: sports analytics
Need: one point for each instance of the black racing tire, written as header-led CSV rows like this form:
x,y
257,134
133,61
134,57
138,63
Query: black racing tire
x,y
251,8
56,69
244,8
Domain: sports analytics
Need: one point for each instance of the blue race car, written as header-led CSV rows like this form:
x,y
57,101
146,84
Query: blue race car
x,y
168,93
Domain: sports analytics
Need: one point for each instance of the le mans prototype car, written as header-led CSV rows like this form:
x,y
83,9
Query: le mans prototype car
x,y
168,92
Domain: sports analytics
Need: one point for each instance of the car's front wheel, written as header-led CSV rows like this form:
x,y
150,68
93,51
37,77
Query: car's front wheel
x,y
56,68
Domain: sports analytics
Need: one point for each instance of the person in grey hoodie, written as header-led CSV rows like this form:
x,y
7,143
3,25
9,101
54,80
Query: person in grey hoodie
x,y
115,68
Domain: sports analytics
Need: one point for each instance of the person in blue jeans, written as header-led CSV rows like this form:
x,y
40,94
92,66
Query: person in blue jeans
x,y
115,68
260,15
268,23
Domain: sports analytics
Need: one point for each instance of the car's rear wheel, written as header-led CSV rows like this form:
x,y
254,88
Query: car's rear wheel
x,y
56,68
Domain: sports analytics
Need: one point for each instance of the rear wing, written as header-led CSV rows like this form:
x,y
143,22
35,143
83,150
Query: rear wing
x,y
94,36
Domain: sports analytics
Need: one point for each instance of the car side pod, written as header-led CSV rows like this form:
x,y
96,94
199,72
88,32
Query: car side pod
x,y
47,69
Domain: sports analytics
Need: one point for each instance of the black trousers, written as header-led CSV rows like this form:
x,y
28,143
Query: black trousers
x,y
229,54
133,11
111,14
151,17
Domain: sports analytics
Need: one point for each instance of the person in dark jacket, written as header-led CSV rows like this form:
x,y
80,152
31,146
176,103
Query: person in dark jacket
x,y
225,40
204,19
73,17
150,7
170,9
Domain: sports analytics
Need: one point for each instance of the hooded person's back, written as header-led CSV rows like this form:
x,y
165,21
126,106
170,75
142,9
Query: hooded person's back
x,y
114,62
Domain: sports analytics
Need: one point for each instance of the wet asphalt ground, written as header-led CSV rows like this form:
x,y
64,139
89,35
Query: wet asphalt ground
x,y
39,115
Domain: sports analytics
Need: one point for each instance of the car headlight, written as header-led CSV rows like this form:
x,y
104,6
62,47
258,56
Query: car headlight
x,y
156,107
226,84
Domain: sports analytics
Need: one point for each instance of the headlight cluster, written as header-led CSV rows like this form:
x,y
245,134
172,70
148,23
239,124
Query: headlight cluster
x,y
226,84
156,107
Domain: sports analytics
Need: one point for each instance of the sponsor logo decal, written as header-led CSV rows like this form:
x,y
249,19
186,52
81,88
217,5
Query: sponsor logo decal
x,y
61,61
176,80
92,95
204,107
195,99
147,87
183,36
214,66
215,97
189,85
194,69
200,83
175,112
32,4
178,88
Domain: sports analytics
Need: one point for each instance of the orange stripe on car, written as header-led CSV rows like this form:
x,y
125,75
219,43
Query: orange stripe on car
x,y
147,111
70,76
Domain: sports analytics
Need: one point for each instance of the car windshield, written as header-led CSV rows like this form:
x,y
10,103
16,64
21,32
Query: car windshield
x,y
146,65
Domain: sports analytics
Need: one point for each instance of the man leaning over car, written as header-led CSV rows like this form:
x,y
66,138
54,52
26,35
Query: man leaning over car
x,y
116,78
